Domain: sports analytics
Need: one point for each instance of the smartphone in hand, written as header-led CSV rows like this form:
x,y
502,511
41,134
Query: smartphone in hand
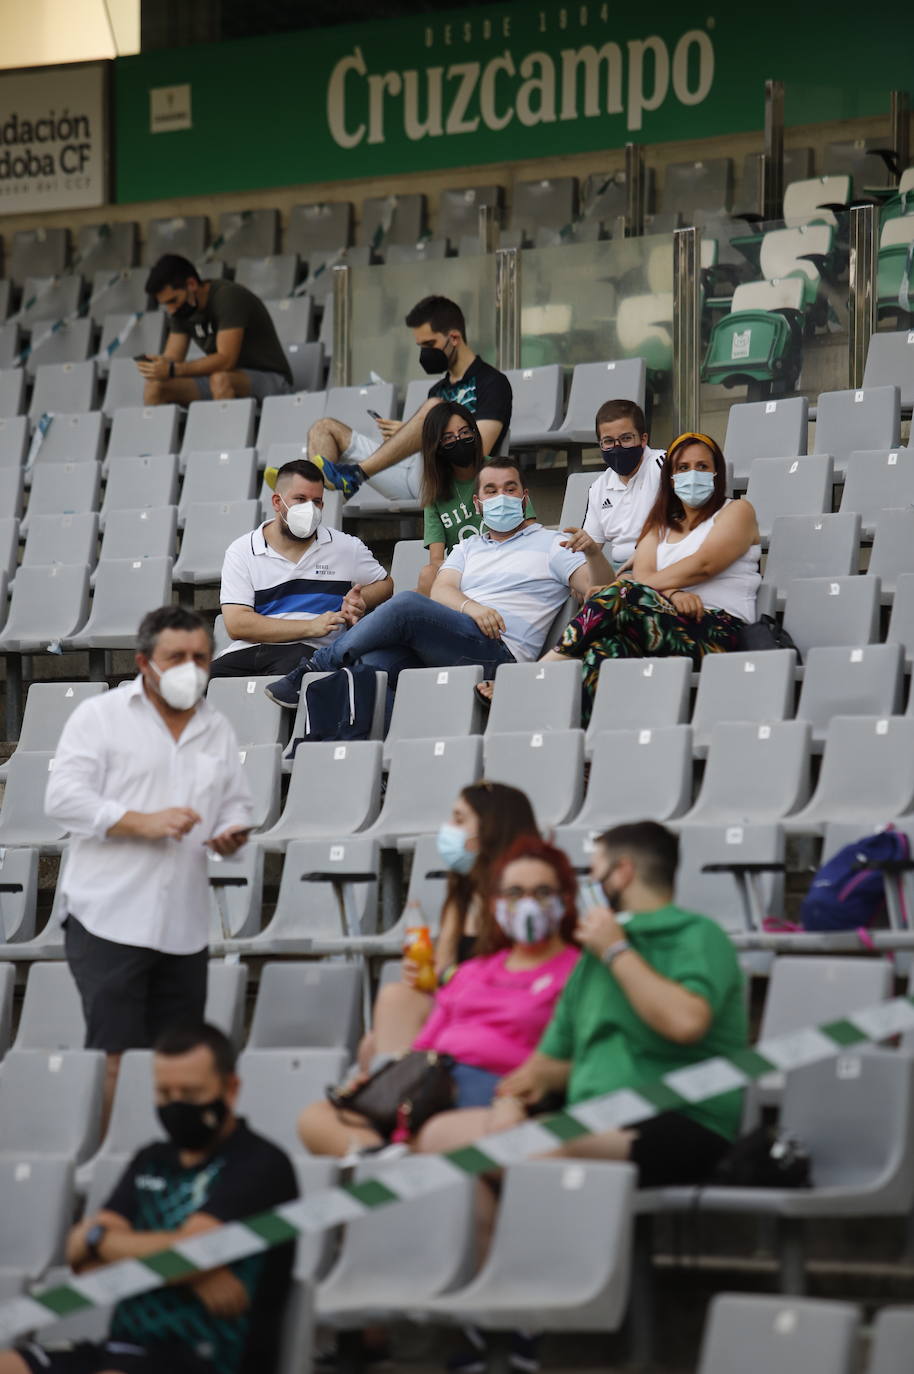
x,y
374,414
141,358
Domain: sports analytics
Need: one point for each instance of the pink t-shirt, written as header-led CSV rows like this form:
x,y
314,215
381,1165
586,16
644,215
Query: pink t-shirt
x,y
493,1017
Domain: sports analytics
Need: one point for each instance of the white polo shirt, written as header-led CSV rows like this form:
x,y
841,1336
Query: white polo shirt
x,y
616,510
524,578
254,574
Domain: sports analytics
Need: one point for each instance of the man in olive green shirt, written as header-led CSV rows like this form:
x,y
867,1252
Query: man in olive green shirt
x,y
657,988
242,355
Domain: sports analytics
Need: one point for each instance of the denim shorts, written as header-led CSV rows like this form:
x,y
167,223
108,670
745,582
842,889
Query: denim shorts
x,y
473,1087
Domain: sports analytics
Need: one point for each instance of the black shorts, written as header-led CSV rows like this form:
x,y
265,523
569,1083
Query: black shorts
x,y
88,1358
674,1149
263,660
131,994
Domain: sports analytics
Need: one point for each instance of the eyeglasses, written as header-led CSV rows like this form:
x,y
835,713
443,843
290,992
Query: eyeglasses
x,y
539,894
449,440
625,440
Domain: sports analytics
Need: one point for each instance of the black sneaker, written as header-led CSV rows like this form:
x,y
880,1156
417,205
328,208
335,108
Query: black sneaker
x,y
524,1356
472,1356
285,691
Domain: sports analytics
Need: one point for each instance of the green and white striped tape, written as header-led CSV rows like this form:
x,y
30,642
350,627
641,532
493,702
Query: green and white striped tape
x,y
419,1175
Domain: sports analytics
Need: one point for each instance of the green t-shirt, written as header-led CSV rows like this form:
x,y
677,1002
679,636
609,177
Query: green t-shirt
x,y
232,306
456,518
596,1027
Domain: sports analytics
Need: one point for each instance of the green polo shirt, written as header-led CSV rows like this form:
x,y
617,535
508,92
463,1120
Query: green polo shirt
x,y
596,1027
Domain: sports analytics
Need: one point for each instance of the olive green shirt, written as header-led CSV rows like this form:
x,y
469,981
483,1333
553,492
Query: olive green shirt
x,y
232,306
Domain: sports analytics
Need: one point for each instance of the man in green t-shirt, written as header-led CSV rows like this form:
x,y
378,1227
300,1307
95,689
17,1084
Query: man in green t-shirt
x,y
242,355
658,988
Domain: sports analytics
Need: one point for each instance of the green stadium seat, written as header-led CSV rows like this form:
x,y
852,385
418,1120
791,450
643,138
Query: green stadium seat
x,y
760,342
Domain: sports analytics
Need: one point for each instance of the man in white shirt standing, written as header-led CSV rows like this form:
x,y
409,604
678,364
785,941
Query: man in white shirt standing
x,y
147,779
620,499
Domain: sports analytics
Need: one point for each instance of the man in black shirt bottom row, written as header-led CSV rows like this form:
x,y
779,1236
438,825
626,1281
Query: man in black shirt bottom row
x,y
211,1170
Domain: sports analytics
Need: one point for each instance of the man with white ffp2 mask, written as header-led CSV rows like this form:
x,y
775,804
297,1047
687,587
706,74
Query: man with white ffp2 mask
x,y
294,583
147,780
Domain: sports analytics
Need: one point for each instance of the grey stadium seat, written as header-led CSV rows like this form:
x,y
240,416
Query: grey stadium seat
x,y
634,693
878,481
286,420
307,363
247,234
458,209
7,982
812,546
743,686
107,246
6,296
48,298
646,772
546,764
37,1200
765,429
125,386
293,318
892,554
147,335
73,439
901,622
12,392
11,488
140,483
63,489
535,696
851,421
865,681
795,486
832,610
48,604
406,224
71,343
38,253
775,756
48,707
10,344
134,1122
277,1083
409,558
334,790
250,712
320,228
271,277
209,529
312,914
352,403
859,159
140,533
125,588
429,701
307,1006
890,362
19,874
736,903
704,185
755,1334
61,539
22,815
426,250
64,387
262,766
218,476
867,774
538,394
118,293
219,425
235,895
182,234
591,385
544,201
893,1330
9,527
574,502
50,1104
424,778
14,440
143,432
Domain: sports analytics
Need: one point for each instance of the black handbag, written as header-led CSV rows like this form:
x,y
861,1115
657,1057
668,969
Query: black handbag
x,y
764,1159
402,1095
764,633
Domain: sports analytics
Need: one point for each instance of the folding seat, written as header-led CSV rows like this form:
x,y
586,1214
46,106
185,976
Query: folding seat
x,y
352,403
580,1280
890,362
293,317
9,533
832,610
12,392
860,160
66,343
219,425
22,815
426,250
759,342
37,1201
125,589
306,361
48,707
10,344
218,476
6,296
892,554
535,696
18,899
47,605
269,278
543,201
867,774
226,986
733,873
810,201
335,790
65,387
638,773
286,420
398,219
134,1122
430,701
849,422
140,533
640,693
812,990
538,397
71,439
756,772
318,878
146,334
591,385
805,546
458,209
864,681
574,502
901,620
742,686
50,1104
790,486
7,983
318,229
798,166
644,328
63,489
38,253
306,1005
277,1083
878,481
143,431
11,488
140,484
548,765
185,235
893,1330
208,530
755,1333
48,298
425,777
246,234
125,386
409,558
61,539
705,185
261,764
250,712
106,246
118,293
14,440
893,269
235,895
803,251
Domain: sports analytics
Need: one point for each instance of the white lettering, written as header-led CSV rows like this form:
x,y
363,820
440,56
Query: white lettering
x,y
681,67
431,127
490,117
638,100
336,100
541,86
390,82
591,60
468,75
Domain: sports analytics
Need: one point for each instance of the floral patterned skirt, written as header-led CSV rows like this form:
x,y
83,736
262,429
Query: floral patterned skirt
x,y
629,620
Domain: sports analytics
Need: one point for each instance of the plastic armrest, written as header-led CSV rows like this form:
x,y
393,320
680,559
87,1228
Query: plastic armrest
x,y
228,882
338,877
888,865
10,887
744,868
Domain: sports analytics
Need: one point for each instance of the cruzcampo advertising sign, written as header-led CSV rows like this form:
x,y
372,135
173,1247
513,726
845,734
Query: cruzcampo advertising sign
x,y
493,84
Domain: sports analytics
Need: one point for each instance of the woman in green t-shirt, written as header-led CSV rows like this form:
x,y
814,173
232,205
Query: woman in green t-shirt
x,y
451,457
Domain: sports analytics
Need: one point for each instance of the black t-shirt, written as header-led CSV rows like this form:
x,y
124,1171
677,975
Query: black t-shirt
x,y
230,305
484,391
245,1175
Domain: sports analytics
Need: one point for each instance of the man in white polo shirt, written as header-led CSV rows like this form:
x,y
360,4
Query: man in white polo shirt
x,y
491,603
293,583
620,499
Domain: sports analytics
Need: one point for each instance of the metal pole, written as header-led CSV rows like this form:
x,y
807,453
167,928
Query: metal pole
x,y
773,160
507,308
341,363
488,229
901,127
686,337
634,186
861,298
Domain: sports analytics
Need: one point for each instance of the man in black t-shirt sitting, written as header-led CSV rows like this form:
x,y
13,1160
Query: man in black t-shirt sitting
x,y
393,464
242,355
211,1170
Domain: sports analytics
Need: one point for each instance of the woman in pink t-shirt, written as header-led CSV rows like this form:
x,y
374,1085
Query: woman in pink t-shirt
x,y
492,1013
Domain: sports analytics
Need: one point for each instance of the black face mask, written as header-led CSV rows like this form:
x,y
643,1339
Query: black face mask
x,y
193,1125
622,459
461,453
184,311
433,360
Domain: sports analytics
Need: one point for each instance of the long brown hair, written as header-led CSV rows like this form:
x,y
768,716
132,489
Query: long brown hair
x,y
437,472
668,512
491,936
503,814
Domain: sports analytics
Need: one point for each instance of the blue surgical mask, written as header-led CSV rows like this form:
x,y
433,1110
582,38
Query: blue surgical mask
x,y
452,847
694,488
503,513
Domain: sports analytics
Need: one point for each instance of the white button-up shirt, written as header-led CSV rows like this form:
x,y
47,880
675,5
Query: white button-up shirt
x,y
116,754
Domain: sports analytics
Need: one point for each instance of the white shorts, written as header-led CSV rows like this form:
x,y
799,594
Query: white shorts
x,y
361,446
402,482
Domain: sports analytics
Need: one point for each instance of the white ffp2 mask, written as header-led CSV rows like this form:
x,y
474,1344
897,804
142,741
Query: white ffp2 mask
x,y
181,686
302,519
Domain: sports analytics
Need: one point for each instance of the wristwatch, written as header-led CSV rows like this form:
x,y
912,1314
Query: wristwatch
x,y
94,1237
610,955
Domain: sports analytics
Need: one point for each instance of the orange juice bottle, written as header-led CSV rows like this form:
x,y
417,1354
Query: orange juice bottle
x,y
418,946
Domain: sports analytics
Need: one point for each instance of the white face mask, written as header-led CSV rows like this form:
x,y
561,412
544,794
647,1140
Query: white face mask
x,y
302,519
181,686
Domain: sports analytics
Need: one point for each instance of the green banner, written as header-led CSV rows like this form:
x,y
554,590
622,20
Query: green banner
x,y
490,84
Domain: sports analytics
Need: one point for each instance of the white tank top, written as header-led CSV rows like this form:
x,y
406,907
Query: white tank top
x,y
733,590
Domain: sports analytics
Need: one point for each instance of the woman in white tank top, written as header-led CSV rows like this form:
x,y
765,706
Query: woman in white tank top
x,y
694,579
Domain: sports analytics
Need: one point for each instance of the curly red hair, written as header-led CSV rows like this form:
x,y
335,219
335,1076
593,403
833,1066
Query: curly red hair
x,y
492,937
